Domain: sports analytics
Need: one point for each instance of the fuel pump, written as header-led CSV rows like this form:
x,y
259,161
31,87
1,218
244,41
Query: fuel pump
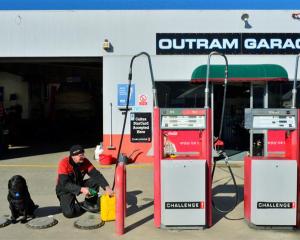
x,y
183,145
183,164
271,191
183,192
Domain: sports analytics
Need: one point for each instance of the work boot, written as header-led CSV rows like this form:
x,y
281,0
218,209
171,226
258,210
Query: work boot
x,y
79,209
93,208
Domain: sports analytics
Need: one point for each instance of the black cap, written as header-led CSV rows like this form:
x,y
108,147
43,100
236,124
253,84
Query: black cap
x,y
76,149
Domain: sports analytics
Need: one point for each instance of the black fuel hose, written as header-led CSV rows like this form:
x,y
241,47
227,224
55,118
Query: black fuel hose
x,y
234,183
127,101
222,153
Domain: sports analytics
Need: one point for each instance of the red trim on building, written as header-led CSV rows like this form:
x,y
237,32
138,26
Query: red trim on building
x,y
141,154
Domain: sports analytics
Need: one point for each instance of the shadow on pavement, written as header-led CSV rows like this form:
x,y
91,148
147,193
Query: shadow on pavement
x,y
46,211
139,223
226,200
131,199
39,149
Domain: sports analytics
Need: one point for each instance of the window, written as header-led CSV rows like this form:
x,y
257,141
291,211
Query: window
x,y
180,94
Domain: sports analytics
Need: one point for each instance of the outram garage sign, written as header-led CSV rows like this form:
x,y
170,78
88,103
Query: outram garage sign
x,y
140,127
227,43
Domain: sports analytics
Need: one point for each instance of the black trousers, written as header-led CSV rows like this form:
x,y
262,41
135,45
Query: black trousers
x,y
68,203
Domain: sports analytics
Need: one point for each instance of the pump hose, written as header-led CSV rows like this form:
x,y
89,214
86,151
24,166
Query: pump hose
x,y
127,101
234,183
123,130
223,108
220,130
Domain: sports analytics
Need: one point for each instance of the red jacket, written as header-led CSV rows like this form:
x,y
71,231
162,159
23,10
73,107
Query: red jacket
x,y
71,175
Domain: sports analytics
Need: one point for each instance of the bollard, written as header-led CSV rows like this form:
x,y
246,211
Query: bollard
x,y
120,190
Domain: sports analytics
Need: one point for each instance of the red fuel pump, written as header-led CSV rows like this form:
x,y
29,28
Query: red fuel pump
x,y
182,195
271,191
183,145
183,164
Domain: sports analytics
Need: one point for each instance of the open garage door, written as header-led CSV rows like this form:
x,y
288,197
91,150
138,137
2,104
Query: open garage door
x,y
50,103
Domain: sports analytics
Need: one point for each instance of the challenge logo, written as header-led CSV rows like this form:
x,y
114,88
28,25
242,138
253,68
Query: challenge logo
x,y
229,43
184,205
277,205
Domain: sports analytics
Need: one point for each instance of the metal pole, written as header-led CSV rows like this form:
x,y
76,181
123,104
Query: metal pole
x,y
120,198
207,75
111,147
294,91
266,95
225,86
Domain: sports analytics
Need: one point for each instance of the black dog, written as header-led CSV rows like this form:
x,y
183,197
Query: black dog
x,y
20,202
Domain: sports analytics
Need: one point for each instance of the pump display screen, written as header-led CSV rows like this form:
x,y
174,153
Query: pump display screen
x,y
182,122
274,122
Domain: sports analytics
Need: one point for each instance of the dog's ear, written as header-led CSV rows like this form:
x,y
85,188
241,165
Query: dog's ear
x,y
9,184
21,179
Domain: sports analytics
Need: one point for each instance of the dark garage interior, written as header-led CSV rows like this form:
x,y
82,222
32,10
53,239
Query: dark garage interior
x,y
64,105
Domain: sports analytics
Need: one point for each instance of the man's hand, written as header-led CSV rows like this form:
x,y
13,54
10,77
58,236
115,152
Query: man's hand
x,y
109,191
85,191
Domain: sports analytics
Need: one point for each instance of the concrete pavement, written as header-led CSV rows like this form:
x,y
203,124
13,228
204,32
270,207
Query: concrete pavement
x,y
40,173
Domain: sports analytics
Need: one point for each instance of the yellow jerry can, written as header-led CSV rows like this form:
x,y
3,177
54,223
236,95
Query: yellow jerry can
x,y
108,208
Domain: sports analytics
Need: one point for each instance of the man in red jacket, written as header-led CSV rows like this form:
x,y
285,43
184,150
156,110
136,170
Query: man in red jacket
x,y
71,182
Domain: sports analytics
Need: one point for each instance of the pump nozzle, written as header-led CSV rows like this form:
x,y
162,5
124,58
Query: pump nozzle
x,y
130,74
93,192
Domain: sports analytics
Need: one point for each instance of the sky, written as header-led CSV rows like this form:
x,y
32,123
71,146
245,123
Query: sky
x,y
149,4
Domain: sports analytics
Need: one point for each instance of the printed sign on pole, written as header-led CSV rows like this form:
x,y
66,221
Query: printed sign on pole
x,y
140,127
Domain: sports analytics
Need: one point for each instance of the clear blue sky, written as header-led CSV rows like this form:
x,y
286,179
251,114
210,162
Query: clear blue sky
x,y
147,4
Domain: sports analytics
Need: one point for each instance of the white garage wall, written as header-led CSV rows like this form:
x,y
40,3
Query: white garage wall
x,y
81,33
